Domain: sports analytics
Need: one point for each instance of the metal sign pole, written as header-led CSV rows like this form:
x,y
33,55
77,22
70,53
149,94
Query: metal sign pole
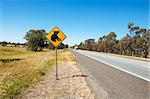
x,y
56,64
56,40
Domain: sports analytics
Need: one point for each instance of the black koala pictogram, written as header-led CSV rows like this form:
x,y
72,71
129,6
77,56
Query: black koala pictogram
x,y
55,37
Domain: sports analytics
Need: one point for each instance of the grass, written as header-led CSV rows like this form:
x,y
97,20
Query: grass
x,y
12,53
16,76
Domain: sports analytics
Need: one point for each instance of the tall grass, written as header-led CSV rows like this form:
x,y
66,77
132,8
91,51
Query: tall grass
x,y
16,76
21,77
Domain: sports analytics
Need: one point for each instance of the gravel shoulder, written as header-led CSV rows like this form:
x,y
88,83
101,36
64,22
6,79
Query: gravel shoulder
x,y
71,85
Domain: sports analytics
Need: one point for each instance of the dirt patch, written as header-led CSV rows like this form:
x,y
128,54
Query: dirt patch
x,y
68,86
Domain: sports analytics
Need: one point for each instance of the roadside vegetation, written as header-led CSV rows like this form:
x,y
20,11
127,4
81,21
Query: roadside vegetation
x,y
135,43
36,41
17,75
22,64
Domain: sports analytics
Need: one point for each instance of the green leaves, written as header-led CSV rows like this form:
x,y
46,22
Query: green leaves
x,y
135,43
35,39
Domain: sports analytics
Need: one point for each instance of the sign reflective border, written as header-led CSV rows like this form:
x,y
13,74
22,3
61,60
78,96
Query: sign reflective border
x,y
56,36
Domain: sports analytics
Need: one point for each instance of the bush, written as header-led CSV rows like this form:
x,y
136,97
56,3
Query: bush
x,y
35,39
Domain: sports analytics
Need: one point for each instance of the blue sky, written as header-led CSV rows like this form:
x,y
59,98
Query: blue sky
x,y
78,19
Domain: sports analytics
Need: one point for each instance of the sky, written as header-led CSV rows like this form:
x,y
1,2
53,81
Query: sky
x,y
78,19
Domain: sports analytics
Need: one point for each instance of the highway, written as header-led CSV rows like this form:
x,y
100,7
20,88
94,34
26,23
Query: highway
x,y
115,77
137,68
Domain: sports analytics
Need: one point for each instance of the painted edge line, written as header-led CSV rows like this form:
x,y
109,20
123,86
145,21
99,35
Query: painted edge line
x,y
122,57
116,67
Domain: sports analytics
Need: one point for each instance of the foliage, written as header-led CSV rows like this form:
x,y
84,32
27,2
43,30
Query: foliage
x,y
136,43
35,39
5,43
61,46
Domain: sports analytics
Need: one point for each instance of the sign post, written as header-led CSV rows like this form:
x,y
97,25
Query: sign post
x,y
56,36
56,64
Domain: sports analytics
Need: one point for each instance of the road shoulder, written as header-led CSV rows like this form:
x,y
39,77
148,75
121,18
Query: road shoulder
x,y
71,84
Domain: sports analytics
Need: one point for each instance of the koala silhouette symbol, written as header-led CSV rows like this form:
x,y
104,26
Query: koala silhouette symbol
x,y
55,37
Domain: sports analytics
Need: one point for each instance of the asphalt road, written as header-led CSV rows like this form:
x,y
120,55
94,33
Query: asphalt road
x,y
137,68
113,77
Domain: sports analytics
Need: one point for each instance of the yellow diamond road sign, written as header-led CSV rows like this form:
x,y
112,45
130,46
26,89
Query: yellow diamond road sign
x,y
56,36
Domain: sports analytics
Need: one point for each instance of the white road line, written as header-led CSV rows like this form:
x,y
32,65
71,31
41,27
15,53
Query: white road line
x,y
147,79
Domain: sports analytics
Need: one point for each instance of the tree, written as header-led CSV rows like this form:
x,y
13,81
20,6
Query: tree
x,y
146,42
61,46
80,46
139,40
35,39
107,43
125,45
4,43
111,41
136,43
101,46
89,44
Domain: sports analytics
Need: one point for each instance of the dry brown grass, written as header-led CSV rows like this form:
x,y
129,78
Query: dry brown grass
x,y
15,76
